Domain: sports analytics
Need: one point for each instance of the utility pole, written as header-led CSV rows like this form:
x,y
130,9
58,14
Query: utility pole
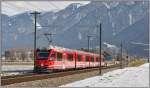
x,y
148,57
49,38
127,57
89,36
100,70
121,56
1,37
35,25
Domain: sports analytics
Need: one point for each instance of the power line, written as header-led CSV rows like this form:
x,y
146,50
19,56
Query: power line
x,y
49,37
89,36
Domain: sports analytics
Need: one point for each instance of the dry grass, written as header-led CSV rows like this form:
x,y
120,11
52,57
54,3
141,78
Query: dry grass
x,y
136,63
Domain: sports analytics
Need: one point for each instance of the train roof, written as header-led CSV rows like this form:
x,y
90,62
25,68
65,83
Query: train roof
x,y
62,49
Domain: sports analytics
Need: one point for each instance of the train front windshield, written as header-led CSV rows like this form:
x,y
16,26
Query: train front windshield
x,y
43,55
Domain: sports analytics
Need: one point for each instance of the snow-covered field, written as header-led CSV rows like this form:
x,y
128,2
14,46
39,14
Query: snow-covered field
x,y
11,68
7,70
127,77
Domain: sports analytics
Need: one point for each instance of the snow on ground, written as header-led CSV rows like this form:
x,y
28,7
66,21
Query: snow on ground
x,y
7,70
11,68
127,77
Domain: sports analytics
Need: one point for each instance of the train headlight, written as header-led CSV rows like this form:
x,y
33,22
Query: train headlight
x,y
42,64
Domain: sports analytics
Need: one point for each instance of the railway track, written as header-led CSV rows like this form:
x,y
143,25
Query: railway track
x,y
32,77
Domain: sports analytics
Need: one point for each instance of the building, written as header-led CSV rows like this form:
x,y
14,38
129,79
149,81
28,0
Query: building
x,y
19,54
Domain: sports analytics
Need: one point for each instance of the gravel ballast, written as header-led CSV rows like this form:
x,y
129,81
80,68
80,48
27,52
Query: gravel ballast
x,y
55,82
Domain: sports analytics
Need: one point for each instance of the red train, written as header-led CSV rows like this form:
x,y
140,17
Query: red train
x,y
62,58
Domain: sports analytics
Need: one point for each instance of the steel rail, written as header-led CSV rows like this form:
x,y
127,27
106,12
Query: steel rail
x,y
32,77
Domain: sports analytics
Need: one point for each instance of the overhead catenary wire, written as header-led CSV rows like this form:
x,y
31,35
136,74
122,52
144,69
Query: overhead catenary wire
x,y
49,37
89,37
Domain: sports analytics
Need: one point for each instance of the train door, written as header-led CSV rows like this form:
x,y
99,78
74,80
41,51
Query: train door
x,y
58,61
83,61
79,61
97,61
51,59
87,62
92,61
75,59
64,64
70,60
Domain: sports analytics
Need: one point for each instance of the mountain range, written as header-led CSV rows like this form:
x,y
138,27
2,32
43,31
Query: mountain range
x,y
125,21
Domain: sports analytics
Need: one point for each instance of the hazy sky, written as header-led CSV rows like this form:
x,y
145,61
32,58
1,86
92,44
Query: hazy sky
x,y
15,7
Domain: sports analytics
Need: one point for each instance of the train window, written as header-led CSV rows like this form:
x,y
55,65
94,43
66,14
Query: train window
x,y
43,55
59,56
86,58
92,59
79,57
97,59
70,57
53,55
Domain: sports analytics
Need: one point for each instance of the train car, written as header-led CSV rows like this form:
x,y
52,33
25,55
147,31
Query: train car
x,y
108,58
62,58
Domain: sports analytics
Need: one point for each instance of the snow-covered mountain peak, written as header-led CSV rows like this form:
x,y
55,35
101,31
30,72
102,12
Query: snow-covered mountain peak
x,y
114,4
107,5
14,7
130,3
110,4
76,21
75,6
